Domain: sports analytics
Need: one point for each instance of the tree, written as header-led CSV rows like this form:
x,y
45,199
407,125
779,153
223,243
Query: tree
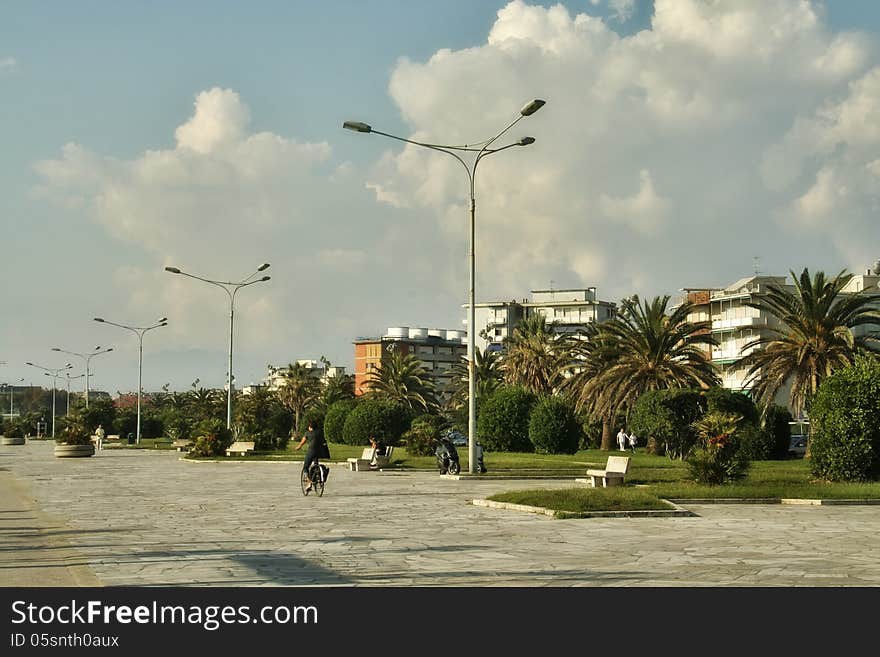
x,y
487,377
402,378
204,403
336,388
298,390
532,356
814,338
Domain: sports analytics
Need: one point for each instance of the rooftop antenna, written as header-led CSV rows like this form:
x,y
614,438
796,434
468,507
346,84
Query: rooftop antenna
x,y
756,261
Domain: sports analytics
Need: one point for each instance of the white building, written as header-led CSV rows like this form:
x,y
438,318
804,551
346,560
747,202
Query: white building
x,y
569,310
274,380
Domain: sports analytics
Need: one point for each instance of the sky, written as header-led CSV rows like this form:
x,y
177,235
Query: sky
x,y
684,143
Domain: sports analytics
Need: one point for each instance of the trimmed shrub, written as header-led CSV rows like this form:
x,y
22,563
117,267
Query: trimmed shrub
x,y
74,431
503,423
553,427
845,422
665,418
385,420
723,400
755,443
313,416
334,420
421,439
12,429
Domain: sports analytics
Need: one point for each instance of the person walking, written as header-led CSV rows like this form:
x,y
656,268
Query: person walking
x,y
99,434
621,439
633,440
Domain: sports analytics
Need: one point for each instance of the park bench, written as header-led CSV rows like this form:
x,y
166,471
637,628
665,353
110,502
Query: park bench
x,y
182,445
613,474
363,463
240,447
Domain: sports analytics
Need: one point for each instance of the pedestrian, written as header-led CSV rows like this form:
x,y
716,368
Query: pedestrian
x,y
632,442
621,439
99,434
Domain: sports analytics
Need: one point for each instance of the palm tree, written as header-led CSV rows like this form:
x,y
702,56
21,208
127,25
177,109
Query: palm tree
x,y
403,378
814,337
204,402
298,390
588,354
643,349
532,356
336,388
487,376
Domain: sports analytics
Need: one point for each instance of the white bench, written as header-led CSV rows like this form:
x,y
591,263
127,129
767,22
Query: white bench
x,y
240,447
182,445
382,460
613,474
363,463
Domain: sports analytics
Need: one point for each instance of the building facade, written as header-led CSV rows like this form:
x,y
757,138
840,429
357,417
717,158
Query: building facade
x,y
438,350
569,310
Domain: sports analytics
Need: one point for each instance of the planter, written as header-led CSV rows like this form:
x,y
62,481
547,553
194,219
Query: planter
x,y
11,440
70,451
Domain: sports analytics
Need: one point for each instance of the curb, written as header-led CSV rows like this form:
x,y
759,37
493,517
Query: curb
x,y
487,477
676,512
775,500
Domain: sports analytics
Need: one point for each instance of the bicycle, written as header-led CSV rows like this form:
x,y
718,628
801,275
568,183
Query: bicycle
x,y
318,475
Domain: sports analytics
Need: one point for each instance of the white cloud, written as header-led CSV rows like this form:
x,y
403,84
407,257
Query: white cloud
x,y
622,10
663,159
8,65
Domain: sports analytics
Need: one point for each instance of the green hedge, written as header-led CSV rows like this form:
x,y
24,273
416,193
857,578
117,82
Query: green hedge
x,y
553,427
503,422
382,419
845,422
334,420
666,417
421,439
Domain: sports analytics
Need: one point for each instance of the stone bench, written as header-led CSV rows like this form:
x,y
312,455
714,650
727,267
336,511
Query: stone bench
x,y
369,460
240,447
182,445
613,474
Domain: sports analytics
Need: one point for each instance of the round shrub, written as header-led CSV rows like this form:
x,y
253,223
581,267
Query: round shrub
x,y
756,444
503,423
421,439
845,423
553,427
384,420
723,400
212,438
73,431
334,420
718,458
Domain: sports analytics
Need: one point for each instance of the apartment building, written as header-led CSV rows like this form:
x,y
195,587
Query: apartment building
x,y
274,379
437,349
569,310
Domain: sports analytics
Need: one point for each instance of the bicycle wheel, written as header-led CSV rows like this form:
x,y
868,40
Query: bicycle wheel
x,y
318,480
304,482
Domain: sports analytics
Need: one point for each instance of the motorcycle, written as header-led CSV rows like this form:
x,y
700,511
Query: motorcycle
x,y
447,457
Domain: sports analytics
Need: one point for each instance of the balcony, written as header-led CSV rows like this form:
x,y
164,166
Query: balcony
x,y
738,322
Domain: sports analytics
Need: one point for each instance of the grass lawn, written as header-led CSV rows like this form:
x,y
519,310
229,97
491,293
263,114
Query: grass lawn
x,y
578,500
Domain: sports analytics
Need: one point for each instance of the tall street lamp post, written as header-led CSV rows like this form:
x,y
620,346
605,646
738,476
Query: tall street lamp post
x,y
87,358
54,374
11,387
230,288
482,149
139,332
69,379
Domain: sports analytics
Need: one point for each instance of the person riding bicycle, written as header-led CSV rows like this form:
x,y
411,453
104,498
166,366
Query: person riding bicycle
x,y
313,451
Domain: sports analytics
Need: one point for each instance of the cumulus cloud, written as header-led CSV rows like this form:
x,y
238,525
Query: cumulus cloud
x,y
622,10
663,159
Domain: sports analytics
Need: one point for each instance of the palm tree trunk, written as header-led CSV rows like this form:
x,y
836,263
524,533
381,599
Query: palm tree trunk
x,y
606,434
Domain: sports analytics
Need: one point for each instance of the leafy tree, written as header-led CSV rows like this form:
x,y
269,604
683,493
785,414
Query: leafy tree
x,y
666,419
487,378
205,403
532,356
334,420
383,419
423,434
814,338
299,390
402,378
334,389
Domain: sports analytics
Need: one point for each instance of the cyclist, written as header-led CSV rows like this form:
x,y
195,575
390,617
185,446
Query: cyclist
x,y
313,450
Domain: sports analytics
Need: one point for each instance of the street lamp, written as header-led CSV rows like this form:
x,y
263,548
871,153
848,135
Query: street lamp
x,y
11,387
54,374
69,379
139,332
86,358
230,288
482,149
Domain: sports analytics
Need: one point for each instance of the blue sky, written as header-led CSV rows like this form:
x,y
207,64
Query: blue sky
x,y
118,78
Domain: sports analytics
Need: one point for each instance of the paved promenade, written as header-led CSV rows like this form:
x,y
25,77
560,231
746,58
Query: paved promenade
x,y
138,517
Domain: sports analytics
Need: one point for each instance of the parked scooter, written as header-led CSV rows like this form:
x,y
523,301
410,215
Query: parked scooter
x,y
447,457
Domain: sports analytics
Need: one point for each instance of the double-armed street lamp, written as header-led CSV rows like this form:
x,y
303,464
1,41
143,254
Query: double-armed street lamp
x,y
139,332
482,149
230,288
54,373
11,387
86,358
69,379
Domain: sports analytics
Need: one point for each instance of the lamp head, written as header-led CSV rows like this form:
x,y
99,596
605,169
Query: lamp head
x,y
30,363
98,319
266,278
525,141
162,320
173,270
55,349
263,267
532,107
357,126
